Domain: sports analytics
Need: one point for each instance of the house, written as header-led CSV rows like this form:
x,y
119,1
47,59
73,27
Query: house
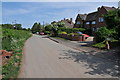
x,y
68,22
79,22
93,20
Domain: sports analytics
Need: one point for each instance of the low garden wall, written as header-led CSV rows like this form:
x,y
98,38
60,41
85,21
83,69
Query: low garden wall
x,y
72,37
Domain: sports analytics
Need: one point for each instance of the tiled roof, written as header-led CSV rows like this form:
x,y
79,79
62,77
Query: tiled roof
x,y
109,8
91,16
82,16
68,24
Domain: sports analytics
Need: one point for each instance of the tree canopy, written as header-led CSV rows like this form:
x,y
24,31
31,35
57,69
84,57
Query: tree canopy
x,y
112,19
36,27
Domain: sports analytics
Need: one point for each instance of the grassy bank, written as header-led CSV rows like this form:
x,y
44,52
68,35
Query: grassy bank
x,y
13,40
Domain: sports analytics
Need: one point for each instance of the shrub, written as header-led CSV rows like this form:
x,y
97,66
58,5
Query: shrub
x,y
102,34
71,34
13,40
71,30
47,32
63,33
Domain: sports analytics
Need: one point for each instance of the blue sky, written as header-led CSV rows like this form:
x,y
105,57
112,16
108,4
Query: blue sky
x,y
27,13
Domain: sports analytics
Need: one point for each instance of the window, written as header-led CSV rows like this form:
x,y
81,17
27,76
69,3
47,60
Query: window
x,y
101,19
93,29
93,22
87,22
78,22
97,29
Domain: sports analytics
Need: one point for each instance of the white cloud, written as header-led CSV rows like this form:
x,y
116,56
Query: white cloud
x,y
60,0
14,12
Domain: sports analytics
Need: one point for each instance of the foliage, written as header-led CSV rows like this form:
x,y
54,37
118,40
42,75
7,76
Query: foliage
x,y
63,33
112,19
71,34
48,28
71,30
12,26
113,44
36,27
13,40
102,34
47,32
17,26
7,26
58,24
100,45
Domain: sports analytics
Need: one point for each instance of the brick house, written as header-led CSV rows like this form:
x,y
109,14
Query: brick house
x,y
80,20
68,22
93,20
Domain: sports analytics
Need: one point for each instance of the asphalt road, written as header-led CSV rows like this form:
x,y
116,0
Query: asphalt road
x,y
44,58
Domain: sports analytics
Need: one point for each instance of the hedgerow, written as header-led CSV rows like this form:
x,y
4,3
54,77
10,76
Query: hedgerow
x,y
13,40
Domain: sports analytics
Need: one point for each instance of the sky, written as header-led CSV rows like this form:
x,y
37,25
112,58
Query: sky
x,y
27,13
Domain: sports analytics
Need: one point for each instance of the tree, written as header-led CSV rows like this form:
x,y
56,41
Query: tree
x,y
28,29
8,26
48,28
36,27
112,19
18,26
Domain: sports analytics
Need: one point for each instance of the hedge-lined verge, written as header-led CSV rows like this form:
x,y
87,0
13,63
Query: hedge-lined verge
x,y
13,40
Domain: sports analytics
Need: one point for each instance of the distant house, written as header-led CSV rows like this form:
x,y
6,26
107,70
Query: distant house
x,y
68,23
93,20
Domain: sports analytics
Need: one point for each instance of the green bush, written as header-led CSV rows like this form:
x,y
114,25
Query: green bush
x,y
71,34
113,44
100,45
102,34
47,32
71,30
13,40
63,33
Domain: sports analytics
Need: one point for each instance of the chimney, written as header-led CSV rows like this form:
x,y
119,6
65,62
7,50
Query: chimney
x,y
98,8
70,20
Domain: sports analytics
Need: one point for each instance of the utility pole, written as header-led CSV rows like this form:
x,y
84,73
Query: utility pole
x,y
119,5
14,22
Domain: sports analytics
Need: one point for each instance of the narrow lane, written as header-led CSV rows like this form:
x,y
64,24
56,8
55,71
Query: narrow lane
x,y
44,58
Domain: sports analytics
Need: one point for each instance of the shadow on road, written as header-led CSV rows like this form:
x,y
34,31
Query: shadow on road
x,y
98,65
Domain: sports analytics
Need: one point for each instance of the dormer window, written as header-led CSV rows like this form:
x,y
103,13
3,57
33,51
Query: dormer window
x,y
78,22
101,19
87,22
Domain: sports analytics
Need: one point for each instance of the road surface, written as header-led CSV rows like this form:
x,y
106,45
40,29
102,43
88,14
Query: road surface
x,y
44,58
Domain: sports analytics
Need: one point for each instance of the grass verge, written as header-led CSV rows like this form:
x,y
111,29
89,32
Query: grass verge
x,y
13,40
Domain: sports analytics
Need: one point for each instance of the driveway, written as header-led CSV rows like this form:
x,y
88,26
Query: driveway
x,y
44,58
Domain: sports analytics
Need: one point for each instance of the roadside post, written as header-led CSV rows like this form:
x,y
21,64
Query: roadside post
x,y
108,43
